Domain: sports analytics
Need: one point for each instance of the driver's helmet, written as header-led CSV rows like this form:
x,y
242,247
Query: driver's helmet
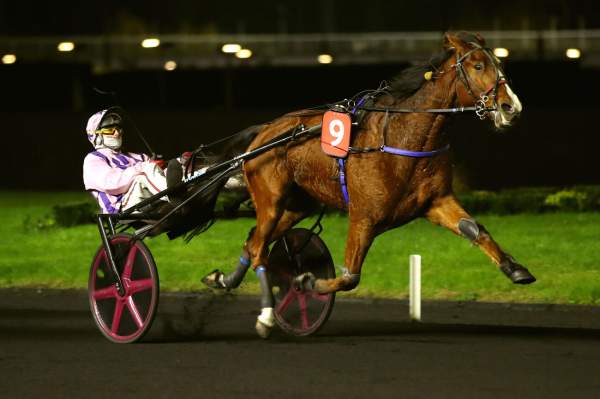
x,y
104,123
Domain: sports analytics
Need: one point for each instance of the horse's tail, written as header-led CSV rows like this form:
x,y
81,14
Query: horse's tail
x,y
199,215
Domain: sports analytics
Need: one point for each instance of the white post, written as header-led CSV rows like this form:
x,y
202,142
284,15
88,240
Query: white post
x,y
414,299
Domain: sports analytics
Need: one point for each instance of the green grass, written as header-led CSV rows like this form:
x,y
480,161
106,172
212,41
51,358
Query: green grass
x,y
562,250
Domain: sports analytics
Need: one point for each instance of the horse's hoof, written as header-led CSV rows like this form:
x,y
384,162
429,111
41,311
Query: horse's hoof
x,y
522,277
517,273
262,329
214,280
305,282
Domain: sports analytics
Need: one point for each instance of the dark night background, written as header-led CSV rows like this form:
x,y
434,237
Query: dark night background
x,y
44,106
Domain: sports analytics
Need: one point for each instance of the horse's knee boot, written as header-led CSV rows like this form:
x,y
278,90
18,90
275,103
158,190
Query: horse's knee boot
x,y
517,273
470,229
266,320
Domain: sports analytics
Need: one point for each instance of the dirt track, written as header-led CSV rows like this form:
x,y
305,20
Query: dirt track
x,y
367,350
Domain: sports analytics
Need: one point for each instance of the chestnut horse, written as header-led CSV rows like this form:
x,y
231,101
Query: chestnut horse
x,y
384,190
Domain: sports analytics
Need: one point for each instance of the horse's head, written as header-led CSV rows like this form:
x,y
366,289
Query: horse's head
x,y
481,80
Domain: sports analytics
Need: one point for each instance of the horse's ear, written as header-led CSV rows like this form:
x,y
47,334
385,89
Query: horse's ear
x,y
480,39
452,41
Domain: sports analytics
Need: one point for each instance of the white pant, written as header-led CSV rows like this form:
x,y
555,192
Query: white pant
x,y
151,181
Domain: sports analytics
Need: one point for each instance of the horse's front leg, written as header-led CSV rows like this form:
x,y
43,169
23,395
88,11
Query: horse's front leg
x,y
447,212
360,237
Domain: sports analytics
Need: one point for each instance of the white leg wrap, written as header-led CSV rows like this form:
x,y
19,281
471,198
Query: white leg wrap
x,y
266,317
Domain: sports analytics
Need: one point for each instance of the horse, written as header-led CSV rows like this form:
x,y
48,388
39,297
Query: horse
x,y
384,190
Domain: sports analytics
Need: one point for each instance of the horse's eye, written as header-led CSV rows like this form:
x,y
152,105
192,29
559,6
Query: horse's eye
x,y
479,67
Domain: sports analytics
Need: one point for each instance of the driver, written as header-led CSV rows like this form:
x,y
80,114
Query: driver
x,y
119,180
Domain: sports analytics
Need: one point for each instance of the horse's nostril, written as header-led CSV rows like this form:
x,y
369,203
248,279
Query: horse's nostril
x,y
506,107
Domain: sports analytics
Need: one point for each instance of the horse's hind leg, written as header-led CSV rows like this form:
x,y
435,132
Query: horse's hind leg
x,y
218,280
447,212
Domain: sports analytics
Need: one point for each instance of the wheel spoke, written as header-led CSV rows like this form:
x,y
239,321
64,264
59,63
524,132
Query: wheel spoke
x,y
117,317
134,312
141,285
129,262
319,297
285,302
105,293
303,310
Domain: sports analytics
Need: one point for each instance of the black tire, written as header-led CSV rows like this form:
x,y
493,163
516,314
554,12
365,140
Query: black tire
x,y
300,313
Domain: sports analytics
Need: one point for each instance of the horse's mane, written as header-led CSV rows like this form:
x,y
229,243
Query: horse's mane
x,y
409,80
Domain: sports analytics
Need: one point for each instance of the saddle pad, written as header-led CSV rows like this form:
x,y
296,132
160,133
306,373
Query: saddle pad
x,y
335,133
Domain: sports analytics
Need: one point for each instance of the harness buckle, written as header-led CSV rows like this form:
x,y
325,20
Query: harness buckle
x,y
480,107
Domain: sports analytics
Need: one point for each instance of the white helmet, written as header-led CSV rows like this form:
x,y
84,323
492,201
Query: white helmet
x,y
101,123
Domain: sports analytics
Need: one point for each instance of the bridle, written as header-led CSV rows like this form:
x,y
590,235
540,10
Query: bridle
x,y
481,108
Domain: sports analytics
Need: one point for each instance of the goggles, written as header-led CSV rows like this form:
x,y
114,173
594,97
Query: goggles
x,y
109,131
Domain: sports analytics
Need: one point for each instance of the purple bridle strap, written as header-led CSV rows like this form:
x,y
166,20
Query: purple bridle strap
x,y
413,154
342,165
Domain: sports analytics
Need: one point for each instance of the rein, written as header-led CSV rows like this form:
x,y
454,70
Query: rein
x,y
426,110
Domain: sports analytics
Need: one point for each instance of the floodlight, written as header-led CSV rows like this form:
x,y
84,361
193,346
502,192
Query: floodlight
x,y
9,59
573,53
65,47
244,53
501,52
231,48
170,65
150,42
325,59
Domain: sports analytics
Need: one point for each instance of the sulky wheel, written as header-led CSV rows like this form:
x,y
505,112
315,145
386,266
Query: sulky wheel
x,y
124,319
297,311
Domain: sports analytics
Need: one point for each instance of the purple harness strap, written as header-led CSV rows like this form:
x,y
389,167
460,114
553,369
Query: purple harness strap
x,y
387,150
413,154
342,166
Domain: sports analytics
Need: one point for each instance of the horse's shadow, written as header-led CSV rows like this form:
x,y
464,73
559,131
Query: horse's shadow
x,y
223,319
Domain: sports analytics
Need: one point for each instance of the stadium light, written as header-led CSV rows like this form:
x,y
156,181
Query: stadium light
x,y
170,65
231,48
9,59
244,53
573,53
150,42
501,52
65,47
325,59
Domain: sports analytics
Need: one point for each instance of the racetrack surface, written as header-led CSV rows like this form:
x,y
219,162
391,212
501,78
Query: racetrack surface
x,y
205,347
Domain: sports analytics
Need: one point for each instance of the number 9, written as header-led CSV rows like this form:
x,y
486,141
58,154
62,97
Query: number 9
x,y
336,129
